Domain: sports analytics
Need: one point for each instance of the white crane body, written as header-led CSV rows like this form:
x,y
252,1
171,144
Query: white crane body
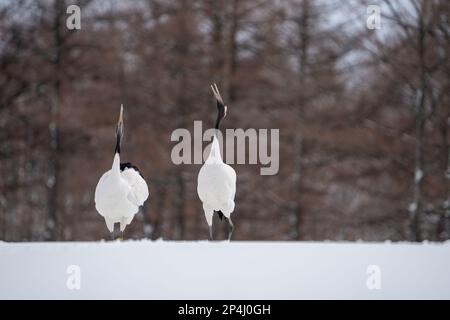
x,y
216,182
216,186
120,191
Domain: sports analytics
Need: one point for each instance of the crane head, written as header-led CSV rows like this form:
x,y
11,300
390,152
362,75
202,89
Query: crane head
x,y
221,107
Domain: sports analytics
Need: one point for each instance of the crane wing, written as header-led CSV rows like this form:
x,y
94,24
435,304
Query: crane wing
x,y
138,187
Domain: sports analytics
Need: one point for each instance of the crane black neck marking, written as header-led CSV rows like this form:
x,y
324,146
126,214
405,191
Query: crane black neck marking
x,y
220,113
219,213
217,123
118,137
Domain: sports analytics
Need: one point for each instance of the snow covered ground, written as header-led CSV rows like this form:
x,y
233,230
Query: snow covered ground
x,y
223,270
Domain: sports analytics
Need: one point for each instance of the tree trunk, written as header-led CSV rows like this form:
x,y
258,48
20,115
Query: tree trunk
x,y
303,25
418,178
446,203
232,51
217,58
53,181
420,118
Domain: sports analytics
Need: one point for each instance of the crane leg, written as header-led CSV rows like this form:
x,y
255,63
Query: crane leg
x,y
210,233
209,217
123,224
230,228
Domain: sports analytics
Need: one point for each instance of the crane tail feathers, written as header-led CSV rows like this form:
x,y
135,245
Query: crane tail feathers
x,y
220,214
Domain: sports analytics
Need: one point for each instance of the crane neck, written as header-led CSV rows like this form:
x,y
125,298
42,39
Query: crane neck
x,y
116,165
214,154
118,140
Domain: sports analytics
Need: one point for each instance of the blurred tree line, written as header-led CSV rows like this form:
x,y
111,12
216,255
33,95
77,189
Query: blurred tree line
x,y
363,114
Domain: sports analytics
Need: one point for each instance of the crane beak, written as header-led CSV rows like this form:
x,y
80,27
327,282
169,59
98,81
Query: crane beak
x,y
216,92
120,122
220,104
119,128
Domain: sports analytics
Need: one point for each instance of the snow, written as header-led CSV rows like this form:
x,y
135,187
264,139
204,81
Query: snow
x,y
224,270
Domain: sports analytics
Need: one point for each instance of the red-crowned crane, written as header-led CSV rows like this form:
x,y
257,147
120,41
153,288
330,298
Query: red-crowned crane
x,y
121,190
216,185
